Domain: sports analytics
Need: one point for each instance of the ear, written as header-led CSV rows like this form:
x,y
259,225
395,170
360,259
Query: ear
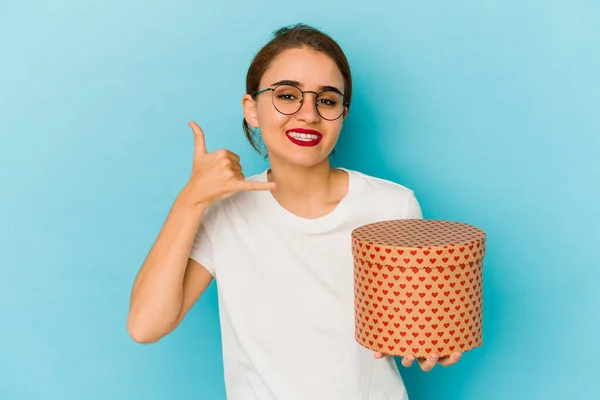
x,y
346,111
250,114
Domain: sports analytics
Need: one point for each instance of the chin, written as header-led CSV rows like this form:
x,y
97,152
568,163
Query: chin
x,y
299,159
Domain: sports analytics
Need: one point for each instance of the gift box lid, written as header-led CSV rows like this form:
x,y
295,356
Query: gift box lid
x,y
419,243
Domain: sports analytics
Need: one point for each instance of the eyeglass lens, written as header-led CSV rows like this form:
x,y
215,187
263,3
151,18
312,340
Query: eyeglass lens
x,y
288,100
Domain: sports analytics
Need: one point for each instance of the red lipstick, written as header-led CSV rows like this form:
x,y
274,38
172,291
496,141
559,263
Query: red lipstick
x,y
304,137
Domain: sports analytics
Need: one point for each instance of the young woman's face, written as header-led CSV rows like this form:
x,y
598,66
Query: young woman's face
x,y
304,138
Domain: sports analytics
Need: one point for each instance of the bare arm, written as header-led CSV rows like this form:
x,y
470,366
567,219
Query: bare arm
x,y
169,282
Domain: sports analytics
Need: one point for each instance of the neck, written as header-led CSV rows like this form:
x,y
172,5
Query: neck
x,y
307,191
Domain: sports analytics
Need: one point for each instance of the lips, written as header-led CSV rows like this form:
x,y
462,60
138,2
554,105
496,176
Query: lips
x,y
304,137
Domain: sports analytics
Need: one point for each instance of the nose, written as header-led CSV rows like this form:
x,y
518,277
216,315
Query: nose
x,y
308,110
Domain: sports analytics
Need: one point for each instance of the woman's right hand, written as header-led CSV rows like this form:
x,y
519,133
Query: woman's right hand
x,y
217,175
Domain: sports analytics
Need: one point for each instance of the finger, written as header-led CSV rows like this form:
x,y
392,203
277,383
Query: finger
x,y
428,363
226,154
378,355
408,360
199,141
238,175
253,185
234,157
448,361
236,167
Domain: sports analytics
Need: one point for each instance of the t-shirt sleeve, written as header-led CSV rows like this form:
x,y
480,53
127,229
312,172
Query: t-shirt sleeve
x,y
202,247
414,209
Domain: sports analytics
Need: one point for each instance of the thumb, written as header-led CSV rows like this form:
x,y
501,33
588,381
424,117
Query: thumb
x,y
199,142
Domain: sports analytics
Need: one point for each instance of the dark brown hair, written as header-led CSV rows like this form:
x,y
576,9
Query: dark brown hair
x,y
292,37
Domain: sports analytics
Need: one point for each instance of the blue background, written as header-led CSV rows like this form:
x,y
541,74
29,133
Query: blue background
x,y
488,110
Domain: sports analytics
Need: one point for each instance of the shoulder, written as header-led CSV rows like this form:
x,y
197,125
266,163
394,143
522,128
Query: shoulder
x,y
385,194
380,185
378,188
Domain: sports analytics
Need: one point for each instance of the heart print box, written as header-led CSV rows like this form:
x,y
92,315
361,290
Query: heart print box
x,y
418,286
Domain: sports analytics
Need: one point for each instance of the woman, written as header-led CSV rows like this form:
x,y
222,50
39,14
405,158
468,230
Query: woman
x,y
278,243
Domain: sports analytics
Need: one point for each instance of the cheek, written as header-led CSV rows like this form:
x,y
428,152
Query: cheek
x,y
333,130
269,119
336,127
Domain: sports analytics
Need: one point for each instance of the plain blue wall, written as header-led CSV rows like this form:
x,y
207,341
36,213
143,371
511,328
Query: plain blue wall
x,y
490,112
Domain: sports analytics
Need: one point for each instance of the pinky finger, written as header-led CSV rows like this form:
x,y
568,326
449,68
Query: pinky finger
x,y
238,174
407,361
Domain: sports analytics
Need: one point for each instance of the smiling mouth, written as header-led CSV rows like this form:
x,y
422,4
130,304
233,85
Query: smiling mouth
x,y
304,137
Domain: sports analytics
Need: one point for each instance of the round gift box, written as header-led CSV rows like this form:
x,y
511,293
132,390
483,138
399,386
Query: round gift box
x,y
418,286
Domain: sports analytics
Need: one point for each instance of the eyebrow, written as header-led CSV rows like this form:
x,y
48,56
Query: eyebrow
x,y
296,83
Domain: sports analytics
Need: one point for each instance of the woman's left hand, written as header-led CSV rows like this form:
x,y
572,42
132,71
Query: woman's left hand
x,y
428,363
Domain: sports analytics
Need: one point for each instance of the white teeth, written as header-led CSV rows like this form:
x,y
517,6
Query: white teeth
x,y
303,136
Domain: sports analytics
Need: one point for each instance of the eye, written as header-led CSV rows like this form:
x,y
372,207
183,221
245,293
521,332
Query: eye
x,y
327,102
286,96
329,99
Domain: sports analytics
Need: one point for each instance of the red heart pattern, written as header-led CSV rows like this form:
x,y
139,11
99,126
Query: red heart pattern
x,y
418,286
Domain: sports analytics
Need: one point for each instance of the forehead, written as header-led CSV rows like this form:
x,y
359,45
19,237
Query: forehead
x,y
311,68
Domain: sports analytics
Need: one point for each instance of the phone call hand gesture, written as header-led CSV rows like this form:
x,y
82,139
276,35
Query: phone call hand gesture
x,y
217,175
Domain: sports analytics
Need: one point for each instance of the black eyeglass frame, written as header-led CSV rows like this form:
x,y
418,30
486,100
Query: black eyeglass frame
x,y
344,101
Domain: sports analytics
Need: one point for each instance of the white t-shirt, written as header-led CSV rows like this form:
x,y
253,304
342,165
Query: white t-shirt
x,y
286,294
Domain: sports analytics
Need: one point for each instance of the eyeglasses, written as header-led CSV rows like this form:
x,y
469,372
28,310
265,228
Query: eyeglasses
x,y
288,99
